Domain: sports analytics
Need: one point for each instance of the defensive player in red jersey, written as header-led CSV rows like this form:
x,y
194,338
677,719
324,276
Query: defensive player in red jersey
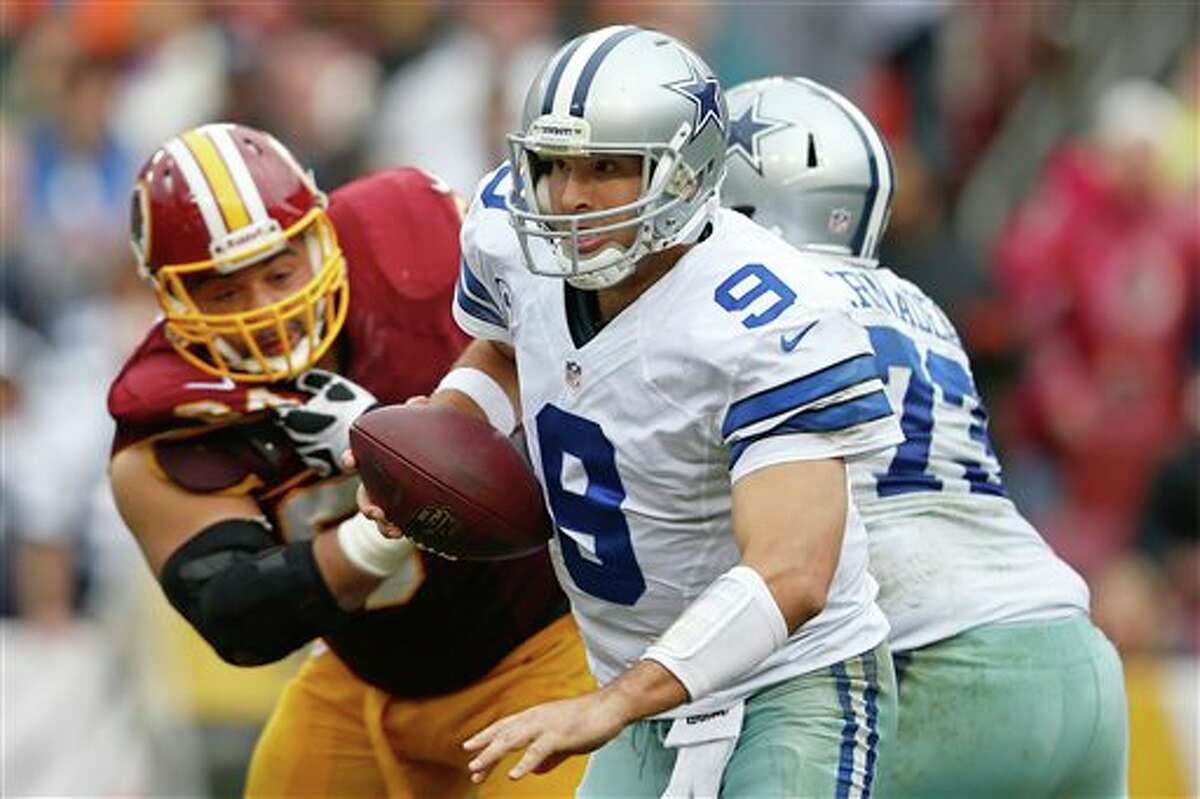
x,y
284,318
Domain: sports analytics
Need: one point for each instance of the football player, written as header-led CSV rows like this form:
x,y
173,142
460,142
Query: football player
x,y
284,317
694,465
1006,687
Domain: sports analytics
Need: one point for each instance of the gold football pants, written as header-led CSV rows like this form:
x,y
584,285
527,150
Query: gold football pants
x,y
334,735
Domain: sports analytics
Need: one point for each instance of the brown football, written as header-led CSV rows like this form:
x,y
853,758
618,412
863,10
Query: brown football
x,y
453,483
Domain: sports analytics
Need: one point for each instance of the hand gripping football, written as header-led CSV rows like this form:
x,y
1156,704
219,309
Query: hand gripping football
x,y
454,484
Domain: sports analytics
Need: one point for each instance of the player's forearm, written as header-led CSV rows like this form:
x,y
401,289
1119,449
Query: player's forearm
x,y
644,690
349,584
483,382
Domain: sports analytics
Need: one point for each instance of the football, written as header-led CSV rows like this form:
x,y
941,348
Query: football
x,y
455,485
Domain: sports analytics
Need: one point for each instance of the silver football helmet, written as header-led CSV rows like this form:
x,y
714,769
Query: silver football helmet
x,y
628,91
807,163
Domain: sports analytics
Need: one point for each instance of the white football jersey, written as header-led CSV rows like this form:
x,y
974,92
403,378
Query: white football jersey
x,y
736,359
949,549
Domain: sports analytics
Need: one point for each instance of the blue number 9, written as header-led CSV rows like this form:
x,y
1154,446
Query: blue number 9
x,y
765,282
612,573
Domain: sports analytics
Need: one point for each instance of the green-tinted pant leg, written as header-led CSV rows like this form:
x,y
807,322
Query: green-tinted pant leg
x,y
1104,766
1032,709
634,764
824,734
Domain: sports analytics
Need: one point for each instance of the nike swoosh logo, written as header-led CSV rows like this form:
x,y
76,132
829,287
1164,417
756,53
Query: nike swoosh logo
x,y
789,344
224,384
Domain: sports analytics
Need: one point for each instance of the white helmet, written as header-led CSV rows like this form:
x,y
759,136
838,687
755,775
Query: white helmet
x,y
807,163
620,90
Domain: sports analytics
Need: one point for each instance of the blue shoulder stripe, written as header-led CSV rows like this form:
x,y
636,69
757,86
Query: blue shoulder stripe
x,y
476,309
830,419
488,196
801,391
851,413
475,288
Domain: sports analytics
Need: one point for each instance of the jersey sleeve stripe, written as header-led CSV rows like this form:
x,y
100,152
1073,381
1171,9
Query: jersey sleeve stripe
x,y
799,392
476,309
476,290
828,419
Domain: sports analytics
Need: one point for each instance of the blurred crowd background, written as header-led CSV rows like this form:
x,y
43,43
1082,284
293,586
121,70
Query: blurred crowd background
x,y
1047,166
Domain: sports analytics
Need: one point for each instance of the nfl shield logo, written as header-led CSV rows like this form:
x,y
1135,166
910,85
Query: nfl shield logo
x,y
839,220
431,526
573,375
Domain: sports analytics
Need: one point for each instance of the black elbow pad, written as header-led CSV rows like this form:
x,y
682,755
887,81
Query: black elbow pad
x,y
255,601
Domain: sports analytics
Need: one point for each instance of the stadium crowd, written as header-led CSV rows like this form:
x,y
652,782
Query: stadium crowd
x,y
1047,160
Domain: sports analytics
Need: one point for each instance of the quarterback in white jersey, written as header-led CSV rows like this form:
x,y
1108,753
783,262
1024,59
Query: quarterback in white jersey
x,y
736,359
690,393
974,596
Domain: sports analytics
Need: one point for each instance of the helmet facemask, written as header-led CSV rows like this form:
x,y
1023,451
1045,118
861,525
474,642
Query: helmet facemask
x,y
227,345
668,186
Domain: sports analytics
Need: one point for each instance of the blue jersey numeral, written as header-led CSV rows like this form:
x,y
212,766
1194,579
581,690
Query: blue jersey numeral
x,y
763,281
612,573
959,390
907,471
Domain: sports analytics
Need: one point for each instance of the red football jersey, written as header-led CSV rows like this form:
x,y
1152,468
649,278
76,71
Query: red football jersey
x,y
436,625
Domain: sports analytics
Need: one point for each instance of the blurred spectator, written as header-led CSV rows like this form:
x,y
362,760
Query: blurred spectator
x,y
176,80
1133,607
19,348
74,651
76,192
1170,521
449,110
1101,273
991,51
322,91
726,48
14,294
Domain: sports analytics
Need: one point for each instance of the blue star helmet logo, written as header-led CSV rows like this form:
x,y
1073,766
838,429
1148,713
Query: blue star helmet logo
x,y
747,131
703,92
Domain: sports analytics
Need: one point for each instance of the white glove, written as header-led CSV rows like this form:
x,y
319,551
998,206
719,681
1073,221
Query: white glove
x,y
320,428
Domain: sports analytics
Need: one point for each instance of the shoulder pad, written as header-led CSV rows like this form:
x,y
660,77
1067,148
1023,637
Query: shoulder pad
x,y
494,188
402,226
157,391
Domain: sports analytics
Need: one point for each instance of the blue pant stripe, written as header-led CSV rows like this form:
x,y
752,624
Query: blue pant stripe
x,y
845,775
871,695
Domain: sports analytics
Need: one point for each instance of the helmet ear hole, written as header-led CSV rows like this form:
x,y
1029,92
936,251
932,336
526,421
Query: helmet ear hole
x,y
745,210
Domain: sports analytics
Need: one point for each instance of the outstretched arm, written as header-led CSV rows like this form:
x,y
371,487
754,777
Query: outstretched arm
x,y
788,521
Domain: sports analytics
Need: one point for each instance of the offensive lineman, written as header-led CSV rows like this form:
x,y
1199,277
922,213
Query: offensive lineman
x,y
1006,688
223,467
695,467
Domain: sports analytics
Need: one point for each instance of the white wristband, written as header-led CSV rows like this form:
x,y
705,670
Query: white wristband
x,y
730,628
370,550
485,392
